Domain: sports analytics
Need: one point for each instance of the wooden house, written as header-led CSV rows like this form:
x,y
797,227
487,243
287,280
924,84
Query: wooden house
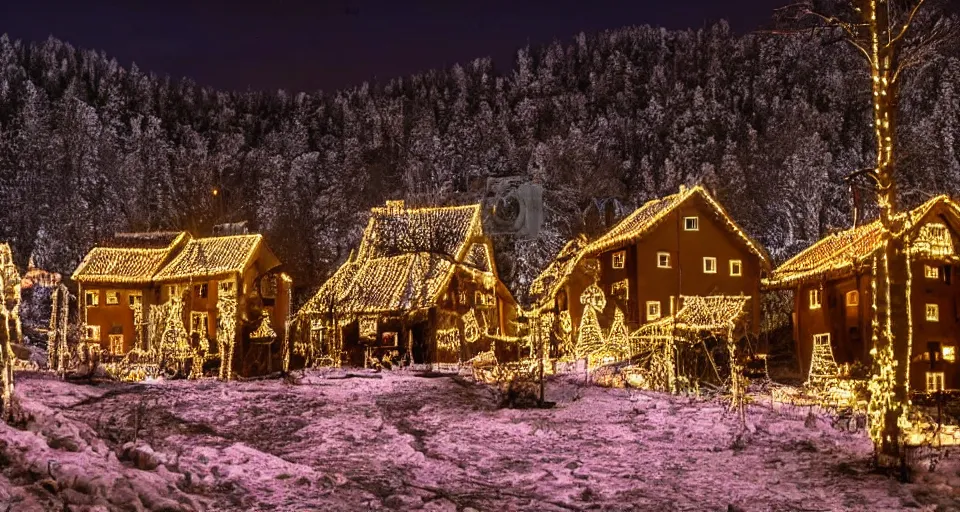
x,y
832,283
422,288
175,298
639,272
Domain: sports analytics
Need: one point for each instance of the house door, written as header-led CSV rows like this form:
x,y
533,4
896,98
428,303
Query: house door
x,y
421,346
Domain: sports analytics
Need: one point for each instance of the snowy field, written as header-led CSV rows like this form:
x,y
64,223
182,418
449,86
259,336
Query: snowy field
x,y
402,442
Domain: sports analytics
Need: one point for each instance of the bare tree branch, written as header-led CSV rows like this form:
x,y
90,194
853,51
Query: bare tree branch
x,y
906,24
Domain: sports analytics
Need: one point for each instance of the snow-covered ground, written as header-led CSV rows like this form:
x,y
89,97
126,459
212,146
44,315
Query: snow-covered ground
x,y
404,442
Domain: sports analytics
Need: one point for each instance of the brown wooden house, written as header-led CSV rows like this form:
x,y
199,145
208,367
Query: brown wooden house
x,y
683,245
173,298
832,283
421,288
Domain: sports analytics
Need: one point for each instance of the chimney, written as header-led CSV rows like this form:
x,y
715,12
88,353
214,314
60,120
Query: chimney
x,y
395,207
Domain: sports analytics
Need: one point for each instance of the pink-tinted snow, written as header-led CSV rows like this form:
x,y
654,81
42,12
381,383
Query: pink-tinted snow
x,y
403,442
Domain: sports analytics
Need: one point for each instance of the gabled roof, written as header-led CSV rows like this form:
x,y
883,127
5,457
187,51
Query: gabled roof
x,y
649,216
632,228
213,256
126,264
840,253
406,260
552,277
380,285
394,230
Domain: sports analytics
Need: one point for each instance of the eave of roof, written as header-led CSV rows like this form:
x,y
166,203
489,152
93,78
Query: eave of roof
x,y
846,251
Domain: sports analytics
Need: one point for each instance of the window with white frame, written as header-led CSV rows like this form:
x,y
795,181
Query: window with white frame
x,y
931,272
620,259
663,259
113,297
934,382
653,310
816,296
853,298
691,224
92,298
933,312
736,268
93,333
709,265
135,298
173,290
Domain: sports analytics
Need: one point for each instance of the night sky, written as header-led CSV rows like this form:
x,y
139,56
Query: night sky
x,y
307,45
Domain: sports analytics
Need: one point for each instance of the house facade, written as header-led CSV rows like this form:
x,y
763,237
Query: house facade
x,y
832,283
422,288
683,245
175,298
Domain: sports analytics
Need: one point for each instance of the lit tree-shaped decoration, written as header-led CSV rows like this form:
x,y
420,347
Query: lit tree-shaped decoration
x,y
227,325
10,330
617,343
566,347
590,336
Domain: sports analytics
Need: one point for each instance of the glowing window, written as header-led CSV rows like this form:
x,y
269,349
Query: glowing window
x,y
736,268
821,339
933,313
200,291
92,298
619,259
621,289
853,298
691,224
934,382
116,344
173,290
949,353
709,265
134,299
663,259
816,297
198,322
931,272
225,286
113,297
93,333
653,310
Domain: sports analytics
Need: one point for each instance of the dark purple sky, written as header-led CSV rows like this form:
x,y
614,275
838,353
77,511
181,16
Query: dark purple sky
x,y
331,44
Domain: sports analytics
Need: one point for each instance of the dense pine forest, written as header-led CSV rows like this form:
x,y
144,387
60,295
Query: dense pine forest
x,y
771,123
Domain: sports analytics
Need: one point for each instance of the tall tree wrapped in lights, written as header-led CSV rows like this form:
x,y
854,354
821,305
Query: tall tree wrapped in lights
x,y
883,32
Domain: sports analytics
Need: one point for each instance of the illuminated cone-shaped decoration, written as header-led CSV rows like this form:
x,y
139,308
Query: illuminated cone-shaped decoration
x,y
618,338
590,337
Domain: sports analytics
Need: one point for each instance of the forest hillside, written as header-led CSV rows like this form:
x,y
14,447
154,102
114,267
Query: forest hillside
x,y
771,123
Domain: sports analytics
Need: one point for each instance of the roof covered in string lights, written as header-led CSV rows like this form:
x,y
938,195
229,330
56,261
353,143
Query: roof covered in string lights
x,y
841,253
213,256
124,262
394,230
144,258
406,260
552,277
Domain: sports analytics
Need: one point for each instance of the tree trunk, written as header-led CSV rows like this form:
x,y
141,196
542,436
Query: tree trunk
x,y
891,320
